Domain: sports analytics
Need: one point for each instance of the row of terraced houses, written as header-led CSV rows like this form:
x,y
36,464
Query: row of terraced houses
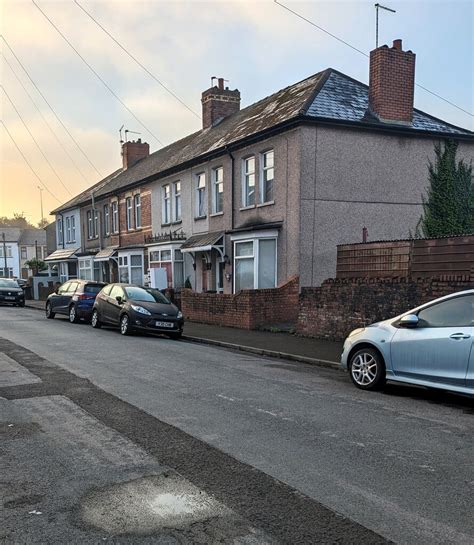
x,y
264,193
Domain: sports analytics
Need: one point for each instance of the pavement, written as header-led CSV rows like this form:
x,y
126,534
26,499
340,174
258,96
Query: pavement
x,y
143,439
265,343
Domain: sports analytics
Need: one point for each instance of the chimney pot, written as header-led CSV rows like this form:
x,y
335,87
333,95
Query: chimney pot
x,y
397,44
220,82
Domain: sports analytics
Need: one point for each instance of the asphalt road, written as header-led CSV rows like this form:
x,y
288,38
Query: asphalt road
x,y
158,441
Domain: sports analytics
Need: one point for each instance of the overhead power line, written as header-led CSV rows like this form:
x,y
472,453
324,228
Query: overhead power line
x,y
125,50
28,163
51,108
53,132
34,140
97,75
312,23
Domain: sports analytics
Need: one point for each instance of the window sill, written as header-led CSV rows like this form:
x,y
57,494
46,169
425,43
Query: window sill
x,y
197,218
269,203
247,207
177,222
216,214
166,224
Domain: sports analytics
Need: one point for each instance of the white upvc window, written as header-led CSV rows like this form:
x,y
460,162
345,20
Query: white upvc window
x,y
68,229
96,222
166,205
85,269
129,209
201,205
60,231
137,201
106,220
24,252
115,222
73,229
267,175
171,259
177,201
9,251
255,263
248,182
217,190
131,268
90,224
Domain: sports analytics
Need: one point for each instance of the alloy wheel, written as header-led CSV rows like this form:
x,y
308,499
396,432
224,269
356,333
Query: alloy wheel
x,y
124,325
364,369
72,314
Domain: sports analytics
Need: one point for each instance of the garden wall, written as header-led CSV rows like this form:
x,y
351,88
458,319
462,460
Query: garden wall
x,y
248,309
338,306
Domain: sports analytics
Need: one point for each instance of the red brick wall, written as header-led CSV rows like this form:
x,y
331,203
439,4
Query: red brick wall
x,y
135,237
337,307
248,309
392,83
132,152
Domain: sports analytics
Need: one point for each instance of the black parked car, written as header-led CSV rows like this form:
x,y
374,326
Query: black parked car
x,y
132,307
11,293
74,298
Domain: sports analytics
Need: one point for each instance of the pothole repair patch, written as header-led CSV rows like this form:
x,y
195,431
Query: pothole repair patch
x,y
163,502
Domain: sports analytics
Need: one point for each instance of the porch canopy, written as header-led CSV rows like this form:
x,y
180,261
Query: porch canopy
x,y
63,254
205,243
106,253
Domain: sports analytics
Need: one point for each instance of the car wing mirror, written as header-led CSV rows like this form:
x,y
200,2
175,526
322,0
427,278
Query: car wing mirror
x,y
409,320
119,299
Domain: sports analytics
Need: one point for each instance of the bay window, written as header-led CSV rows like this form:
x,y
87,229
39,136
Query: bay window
x,y
85,269
172,260
217,190
255,265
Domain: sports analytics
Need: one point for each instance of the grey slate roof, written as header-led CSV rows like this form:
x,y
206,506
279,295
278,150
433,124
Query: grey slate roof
x,y
327,95
62,253
200,241
12,234
29,236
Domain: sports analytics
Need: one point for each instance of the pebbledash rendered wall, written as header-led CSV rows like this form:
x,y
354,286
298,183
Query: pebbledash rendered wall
x,y
248,309
338,306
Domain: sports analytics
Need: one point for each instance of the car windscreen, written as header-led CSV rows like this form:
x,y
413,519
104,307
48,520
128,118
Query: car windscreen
x,y
93,288
5,283
145,294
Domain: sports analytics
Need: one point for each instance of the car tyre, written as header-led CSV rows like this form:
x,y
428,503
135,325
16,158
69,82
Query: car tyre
x,y
175,336
49,312
125,327
22,304
367,369
95,320
73,318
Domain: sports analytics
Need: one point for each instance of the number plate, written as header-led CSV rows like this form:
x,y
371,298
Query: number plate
x,y
9,298
164,324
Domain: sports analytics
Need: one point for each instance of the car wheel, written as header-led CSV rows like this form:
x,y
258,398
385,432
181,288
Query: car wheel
x,y
125,328
367,369
22,304
95,321
175,336
73,318
49,312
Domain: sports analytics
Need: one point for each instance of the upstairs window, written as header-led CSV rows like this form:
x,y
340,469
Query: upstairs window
x,y
248,182
266,177
201,208
166,205
60,231
73,229
90,225
24,253
115,222
96,223
128,206
68,229
106,220
177,201
218,190
137,201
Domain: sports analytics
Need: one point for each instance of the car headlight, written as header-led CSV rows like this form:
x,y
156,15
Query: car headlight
x,y
358,330
141,310
179,315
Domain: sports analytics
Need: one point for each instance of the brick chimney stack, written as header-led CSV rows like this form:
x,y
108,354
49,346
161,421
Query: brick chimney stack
x,y
218,103
132,152
392,84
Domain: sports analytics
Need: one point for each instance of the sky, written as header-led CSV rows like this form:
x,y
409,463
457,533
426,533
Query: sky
x,y
257,45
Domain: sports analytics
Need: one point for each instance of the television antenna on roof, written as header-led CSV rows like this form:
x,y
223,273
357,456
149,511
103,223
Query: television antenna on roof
x,y
377,6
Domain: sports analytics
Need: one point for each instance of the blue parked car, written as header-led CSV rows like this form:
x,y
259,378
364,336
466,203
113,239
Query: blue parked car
x,y
431,345
75,299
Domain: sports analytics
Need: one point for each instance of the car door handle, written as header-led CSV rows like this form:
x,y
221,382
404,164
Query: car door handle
x,y
459,336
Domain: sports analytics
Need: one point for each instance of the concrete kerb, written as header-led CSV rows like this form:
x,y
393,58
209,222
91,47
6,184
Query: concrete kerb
x,y
252,350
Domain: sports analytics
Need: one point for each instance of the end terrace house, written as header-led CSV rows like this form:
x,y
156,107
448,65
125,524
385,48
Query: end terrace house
x,y
265,193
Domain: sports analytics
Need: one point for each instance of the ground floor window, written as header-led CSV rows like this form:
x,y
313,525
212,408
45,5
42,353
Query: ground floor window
x,y
131,268
6,272
255,264
85,269
67,271
171,260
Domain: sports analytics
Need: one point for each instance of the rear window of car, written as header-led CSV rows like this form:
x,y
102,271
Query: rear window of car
x,y
92,288
146,294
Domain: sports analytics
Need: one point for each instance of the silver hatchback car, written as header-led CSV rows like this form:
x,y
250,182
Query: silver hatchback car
x,y
431,345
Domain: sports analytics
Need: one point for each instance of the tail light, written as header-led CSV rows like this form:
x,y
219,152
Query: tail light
x,y
85,297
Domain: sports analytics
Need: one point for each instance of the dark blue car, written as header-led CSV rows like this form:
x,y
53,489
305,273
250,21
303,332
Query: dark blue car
x,y
75,299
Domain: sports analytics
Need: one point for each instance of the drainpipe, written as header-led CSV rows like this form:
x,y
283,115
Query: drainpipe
x,y
62,228
232,180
